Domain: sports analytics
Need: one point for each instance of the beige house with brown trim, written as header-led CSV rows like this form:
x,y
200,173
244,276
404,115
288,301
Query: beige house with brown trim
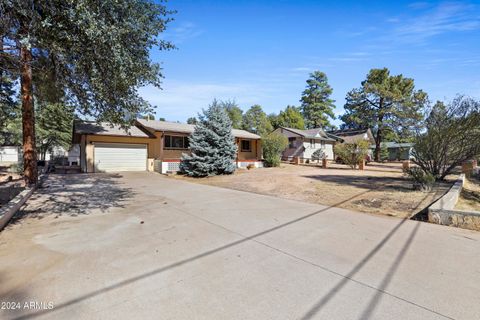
x,y
148,145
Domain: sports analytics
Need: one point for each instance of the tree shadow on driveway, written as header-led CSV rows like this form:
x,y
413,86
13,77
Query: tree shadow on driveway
x,y
255,237
74,195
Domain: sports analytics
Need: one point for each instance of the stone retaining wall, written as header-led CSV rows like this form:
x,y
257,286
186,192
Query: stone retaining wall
x,y
443,212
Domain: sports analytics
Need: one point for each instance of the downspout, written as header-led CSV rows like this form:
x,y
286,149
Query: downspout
x,y
238,150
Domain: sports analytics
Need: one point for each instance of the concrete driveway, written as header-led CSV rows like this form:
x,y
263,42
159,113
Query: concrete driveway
x,y
143,246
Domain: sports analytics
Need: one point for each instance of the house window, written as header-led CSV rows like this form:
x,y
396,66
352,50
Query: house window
x,y
312,143
291,142
246,146
176,142
323,144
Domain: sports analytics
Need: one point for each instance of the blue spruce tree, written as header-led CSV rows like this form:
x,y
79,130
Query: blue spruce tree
x,y
212,145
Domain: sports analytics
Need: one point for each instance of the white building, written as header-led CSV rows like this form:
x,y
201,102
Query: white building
x,y
303,143
10,154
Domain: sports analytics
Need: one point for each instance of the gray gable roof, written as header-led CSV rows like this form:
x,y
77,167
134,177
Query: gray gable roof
x,y
187,128
350,135
104,128
310,133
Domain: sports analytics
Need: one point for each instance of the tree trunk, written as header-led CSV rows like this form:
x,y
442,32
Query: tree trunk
x,y
28,118
379,137
378,145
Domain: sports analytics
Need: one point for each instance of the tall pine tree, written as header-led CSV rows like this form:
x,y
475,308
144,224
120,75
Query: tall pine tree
x,y
317,107
387,104
212,145
95,53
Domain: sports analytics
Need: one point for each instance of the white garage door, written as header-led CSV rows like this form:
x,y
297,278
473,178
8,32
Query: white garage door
x,y
110,157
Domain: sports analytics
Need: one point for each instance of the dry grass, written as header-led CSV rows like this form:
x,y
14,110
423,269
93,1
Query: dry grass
x,y
470,197
380,189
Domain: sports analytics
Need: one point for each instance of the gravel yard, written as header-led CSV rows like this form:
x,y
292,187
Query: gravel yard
x,y
380,189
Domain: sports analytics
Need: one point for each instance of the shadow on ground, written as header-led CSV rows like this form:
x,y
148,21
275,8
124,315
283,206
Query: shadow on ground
x,y
13,301
75,194
344,279
365,182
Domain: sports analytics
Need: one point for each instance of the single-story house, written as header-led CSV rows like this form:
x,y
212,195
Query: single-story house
x,y
397,151
148,145
303,143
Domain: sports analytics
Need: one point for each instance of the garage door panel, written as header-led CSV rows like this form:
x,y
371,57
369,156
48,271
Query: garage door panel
x,y
111,157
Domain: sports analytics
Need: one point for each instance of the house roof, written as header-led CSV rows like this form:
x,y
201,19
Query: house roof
x,y
105,128
350,135
316,133
187,128
391,144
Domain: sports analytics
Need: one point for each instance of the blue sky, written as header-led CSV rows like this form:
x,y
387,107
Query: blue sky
x,y
261,52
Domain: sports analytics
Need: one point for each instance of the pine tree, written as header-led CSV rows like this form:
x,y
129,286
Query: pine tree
x,y
96,53
387,104
234,113
384,155
212,145
317,106
256,121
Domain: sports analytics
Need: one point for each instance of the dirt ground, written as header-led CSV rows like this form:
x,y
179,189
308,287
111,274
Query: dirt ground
x,y
11,184
470,197
380,189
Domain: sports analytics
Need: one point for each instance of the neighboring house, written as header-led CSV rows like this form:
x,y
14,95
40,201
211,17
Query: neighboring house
x,y
56,151
303,143
10,155
148,145
397,151
352,135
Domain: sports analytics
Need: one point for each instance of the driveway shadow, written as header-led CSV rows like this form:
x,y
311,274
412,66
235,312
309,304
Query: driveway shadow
x,y
75,194
365,182
13,301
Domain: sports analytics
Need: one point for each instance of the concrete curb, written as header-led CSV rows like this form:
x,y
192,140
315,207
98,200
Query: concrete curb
x,y
9,210
443,210
449,200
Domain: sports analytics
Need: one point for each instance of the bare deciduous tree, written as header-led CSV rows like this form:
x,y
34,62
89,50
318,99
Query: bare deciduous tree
x,y
452,136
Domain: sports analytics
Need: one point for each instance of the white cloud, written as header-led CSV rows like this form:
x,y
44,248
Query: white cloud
x,y
419,5
185,31
347,59
444,18
180,100
302,69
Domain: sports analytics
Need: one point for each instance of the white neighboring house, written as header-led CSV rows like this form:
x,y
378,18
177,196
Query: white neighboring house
x,y
10,154
74,155
303,143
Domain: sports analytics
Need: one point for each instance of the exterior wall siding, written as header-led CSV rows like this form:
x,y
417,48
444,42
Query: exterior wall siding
x,y
254,153
311,148
155,149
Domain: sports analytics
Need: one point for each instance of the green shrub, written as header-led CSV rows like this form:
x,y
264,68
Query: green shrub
x,y
352,153
16,167
318,155
384,155
421,180
273,145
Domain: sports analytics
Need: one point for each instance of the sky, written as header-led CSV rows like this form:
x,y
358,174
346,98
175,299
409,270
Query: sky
x,y
261,52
